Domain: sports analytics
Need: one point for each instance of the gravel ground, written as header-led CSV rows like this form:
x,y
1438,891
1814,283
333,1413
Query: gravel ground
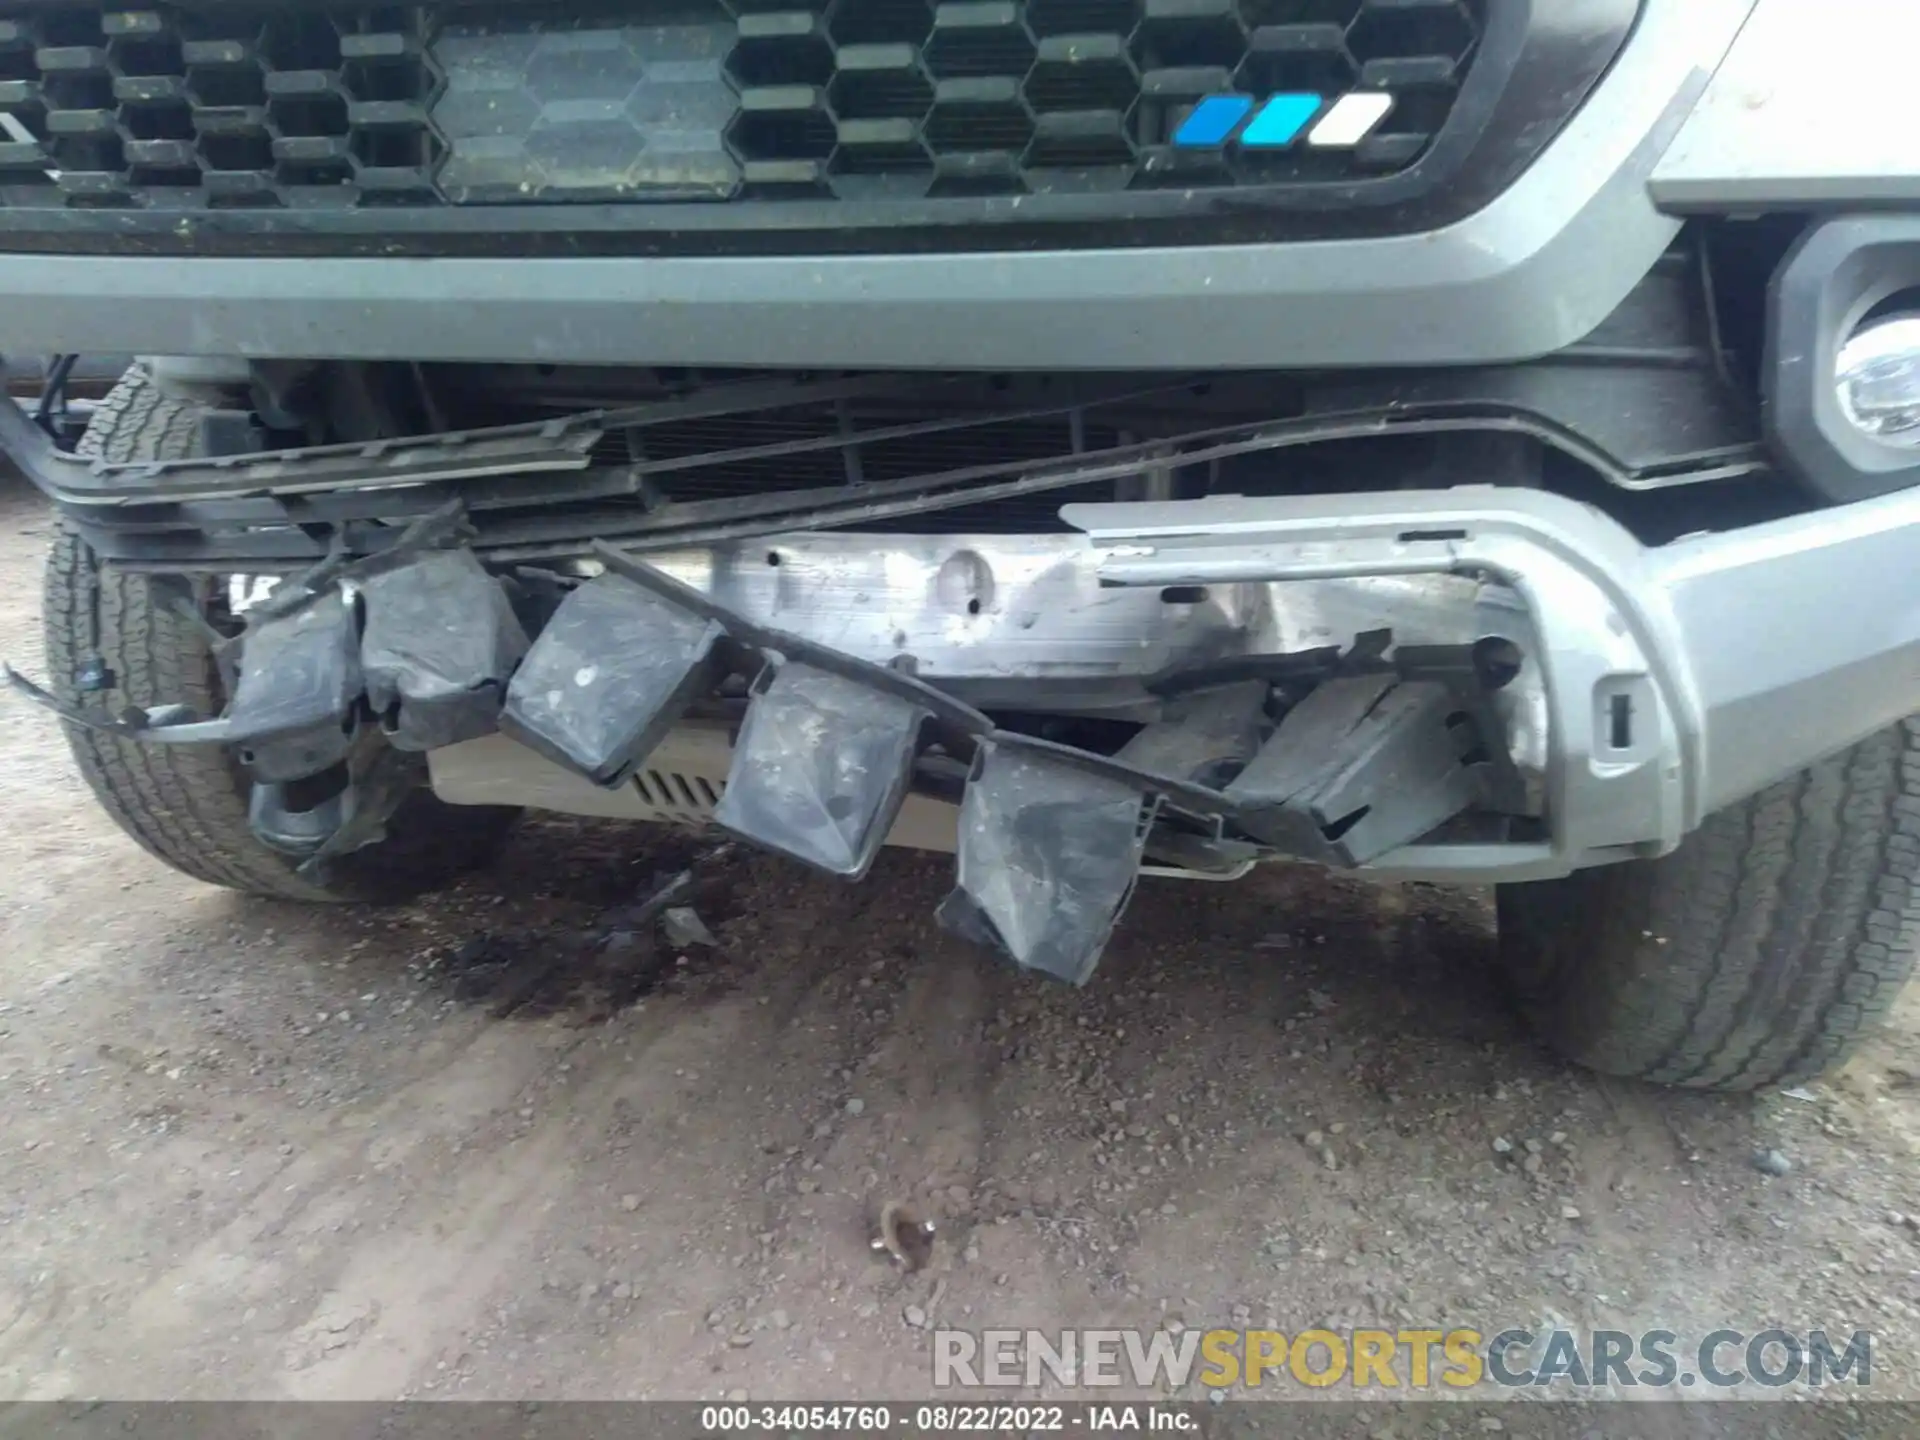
x,y
495,1145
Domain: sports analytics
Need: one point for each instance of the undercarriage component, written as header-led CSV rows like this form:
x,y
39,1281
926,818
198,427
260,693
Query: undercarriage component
x,y
377,782
424,642
1364,764
1051,835
680,784
1048,855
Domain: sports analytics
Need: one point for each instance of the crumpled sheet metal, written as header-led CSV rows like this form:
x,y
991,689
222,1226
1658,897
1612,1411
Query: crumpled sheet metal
x,y
1203,735
1048,856
612,671
438,646
821,768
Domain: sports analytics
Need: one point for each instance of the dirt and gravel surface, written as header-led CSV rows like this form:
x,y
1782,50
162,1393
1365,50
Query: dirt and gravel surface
x,y
506,1144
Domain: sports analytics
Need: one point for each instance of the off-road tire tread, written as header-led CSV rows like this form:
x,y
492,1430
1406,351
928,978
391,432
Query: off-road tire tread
x,y
1755,954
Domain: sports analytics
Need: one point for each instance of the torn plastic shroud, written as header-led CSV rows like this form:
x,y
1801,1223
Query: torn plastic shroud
x,y
422,632
1051,837
420,639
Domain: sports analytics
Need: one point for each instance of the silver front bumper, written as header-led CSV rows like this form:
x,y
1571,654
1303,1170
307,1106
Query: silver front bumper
x,y
1677,679
1661,684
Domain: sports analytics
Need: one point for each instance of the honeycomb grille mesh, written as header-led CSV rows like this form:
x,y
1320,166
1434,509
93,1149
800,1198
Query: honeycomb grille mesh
x,y
232,106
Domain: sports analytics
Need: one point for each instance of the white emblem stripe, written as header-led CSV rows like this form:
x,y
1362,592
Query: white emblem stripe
x,y
1351,119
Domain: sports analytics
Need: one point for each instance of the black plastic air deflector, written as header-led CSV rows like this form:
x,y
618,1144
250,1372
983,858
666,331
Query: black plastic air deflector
x,y
614,669
821,767
298,678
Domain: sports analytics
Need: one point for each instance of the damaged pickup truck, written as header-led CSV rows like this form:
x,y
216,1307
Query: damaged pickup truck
x,y
1473,441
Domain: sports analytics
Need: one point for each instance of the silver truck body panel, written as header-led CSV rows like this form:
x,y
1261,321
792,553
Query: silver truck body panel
x,y
1807,111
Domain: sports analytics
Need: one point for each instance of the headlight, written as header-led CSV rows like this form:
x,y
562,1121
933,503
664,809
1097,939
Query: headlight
x,y
1878,379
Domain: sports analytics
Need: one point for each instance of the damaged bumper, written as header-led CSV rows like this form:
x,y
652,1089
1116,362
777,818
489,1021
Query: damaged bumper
x,y
1649,686
1472,684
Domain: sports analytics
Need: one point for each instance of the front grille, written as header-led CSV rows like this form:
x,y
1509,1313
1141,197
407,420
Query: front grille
x,y
236,107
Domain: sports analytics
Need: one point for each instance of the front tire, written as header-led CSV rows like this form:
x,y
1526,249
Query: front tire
x,y
187,805
1758,953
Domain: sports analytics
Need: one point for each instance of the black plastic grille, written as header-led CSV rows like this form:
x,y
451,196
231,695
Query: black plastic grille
x,y
217,107
248,107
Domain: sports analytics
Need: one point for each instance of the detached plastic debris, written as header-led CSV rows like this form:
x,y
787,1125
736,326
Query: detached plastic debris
x,y
439,643
821,768
614,669
624,923
682,926
1048,853
295,702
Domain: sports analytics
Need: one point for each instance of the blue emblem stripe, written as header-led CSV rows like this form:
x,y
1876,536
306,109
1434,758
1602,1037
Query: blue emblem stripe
x,y
1212,120
1280,120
